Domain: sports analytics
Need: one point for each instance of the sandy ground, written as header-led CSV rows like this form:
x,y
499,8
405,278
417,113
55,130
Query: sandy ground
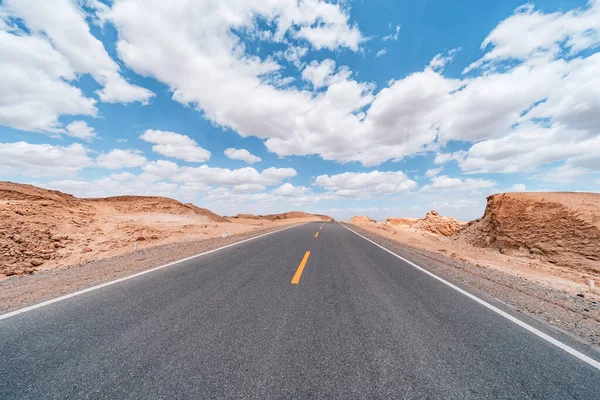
x,y
528,293
553,276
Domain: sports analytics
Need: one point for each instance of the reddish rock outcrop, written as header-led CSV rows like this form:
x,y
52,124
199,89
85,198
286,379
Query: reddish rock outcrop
x,y
562,228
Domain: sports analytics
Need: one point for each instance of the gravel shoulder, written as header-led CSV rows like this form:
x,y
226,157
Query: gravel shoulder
x,y
22,291
579,317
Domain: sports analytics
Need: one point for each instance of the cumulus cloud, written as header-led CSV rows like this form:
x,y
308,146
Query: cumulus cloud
x,y
433,172
358,184
564,173
241,154
289,190
444,182
117,159
232,177
247,188
80,130
175,145
122,176
35,85
343,119
42,159
529,33
157,170
64,23
318,72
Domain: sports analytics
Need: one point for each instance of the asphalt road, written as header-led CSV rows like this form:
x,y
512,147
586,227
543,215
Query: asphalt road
x,y
360,323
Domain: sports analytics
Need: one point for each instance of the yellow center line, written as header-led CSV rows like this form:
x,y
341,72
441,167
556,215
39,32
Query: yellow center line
x,y
317,234
298,273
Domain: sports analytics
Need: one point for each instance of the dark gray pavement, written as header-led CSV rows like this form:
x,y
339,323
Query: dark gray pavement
x,y
360,324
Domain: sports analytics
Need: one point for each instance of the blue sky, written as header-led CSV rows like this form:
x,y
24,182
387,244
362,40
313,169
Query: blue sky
x,y
384,108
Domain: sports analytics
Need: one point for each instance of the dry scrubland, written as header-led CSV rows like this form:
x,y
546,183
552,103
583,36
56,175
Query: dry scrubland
x,y
550,238
45,229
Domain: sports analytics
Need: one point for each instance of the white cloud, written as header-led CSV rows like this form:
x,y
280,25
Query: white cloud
x,y
564,173
157,170
517,187
289,190
357,184
433,172
34,85
394,36
444,182
42,159
533,34
175,145
123,176
443,158
64,23
293,54
241,154
121,91
117,159
440,60
317,73
81,130
228,177
210,70
381,52
529,146
247,188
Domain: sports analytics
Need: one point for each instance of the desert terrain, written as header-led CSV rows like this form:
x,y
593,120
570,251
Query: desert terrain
x,y
44,230
550,238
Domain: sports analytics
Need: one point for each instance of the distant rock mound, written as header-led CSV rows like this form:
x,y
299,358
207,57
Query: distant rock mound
x,y
287,215
562,228
432,223
361,219
435,223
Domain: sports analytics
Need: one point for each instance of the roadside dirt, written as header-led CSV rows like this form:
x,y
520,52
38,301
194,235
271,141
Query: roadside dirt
x,y
576,316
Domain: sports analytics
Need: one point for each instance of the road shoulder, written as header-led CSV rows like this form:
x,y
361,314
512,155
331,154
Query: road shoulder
x,y
575,316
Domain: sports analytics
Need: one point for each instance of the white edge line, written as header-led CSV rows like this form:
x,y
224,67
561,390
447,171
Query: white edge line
x,y
90,289
509,317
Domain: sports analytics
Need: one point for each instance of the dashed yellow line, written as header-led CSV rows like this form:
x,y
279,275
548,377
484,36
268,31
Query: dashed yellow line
x,y
298,273
317,234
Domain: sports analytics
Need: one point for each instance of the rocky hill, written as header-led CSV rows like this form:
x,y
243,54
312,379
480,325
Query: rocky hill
x,y
561,228
45,229
432,223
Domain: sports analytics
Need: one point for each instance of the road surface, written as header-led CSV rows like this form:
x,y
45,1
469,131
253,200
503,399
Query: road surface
x,y
357,323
